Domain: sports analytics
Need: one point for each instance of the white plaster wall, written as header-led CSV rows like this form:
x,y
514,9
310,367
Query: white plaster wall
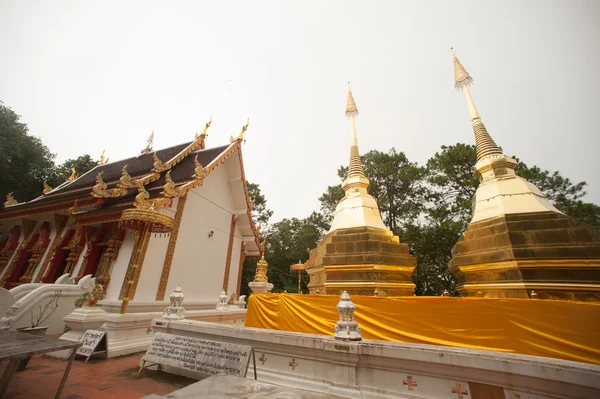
x,y
152,269
199,260
119,268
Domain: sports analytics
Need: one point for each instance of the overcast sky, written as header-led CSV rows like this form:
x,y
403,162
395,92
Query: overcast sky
x,y
88,76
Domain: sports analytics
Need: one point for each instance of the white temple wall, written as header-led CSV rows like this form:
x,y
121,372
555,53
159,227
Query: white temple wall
x,y
119,268
152,269
199,260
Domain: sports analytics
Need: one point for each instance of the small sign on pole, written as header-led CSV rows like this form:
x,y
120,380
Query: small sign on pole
x,y
94,342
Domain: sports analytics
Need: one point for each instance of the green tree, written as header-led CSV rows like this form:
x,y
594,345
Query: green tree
x,y
260,213
62,172
329,200
562,193
452,183
26,162
395,183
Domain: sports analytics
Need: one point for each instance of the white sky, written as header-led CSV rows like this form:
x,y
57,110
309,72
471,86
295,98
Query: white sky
x,y
88,76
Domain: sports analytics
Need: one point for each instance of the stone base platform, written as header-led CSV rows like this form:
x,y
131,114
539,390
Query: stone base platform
x,y
227,387
360,260
510,256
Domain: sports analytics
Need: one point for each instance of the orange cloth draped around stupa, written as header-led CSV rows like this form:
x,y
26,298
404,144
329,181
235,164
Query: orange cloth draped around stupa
x,y
559,329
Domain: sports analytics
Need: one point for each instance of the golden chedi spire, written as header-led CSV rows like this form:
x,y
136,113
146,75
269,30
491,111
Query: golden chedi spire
x,y
517,242
484,142
358,246
358,207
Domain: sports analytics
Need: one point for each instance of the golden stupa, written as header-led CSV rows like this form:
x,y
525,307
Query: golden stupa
x,y
518,244
359,254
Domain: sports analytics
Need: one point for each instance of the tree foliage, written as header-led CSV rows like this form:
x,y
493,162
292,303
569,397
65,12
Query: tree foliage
x,y
430,207
26,162
61,173
260,213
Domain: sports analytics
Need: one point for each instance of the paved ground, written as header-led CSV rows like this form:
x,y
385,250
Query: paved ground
x,y
99,378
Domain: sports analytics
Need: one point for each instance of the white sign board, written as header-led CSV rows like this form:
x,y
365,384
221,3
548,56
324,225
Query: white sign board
x,y
91,339
199,355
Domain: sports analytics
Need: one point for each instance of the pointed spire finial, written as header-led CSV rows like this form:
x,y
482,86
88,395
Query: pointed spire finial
x,y
461,76
150,142
484,142
351,109
101,160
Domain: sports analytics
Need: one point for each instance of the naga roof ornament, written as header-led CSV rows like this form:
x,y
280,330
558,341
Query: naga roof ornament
x,y
241,135
170,189
46,189
10,200
158,165
101,161
100,190
200,171
73,176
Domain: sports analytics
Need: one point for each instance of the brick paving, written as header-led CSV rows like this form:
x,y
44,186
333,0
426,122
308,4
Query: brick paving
x,y
98,378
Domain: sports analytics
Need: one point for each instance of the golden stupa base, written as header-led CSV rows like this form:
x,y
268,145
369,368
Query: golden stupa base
x,y
361,261
544,255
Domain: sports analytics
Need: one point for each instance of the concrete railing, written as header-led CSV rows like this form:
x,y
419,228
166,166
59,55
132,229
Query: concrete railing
x,y
382,369
31,301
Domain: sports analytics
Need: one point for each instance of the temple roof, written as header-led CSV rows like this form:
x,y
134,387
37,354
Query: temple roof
x,y
140,165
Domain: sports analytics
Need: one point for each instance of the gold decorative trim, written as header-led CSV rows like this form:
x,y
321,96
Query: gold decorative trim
x,y
138,219
28,210
229,251
28,227
12,240
91,235
115,239
166,271
39,249
135,267
60,221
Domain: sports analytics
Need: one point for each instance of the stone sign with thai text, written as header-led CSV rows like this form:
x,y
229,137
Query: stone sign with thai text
x,y
198,355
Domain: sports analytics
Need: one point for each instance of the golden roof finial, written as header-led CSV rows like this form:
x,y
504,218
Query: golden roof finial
x,y
150,142
101,160
10,200
72,177
47,188
241,135
461,76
